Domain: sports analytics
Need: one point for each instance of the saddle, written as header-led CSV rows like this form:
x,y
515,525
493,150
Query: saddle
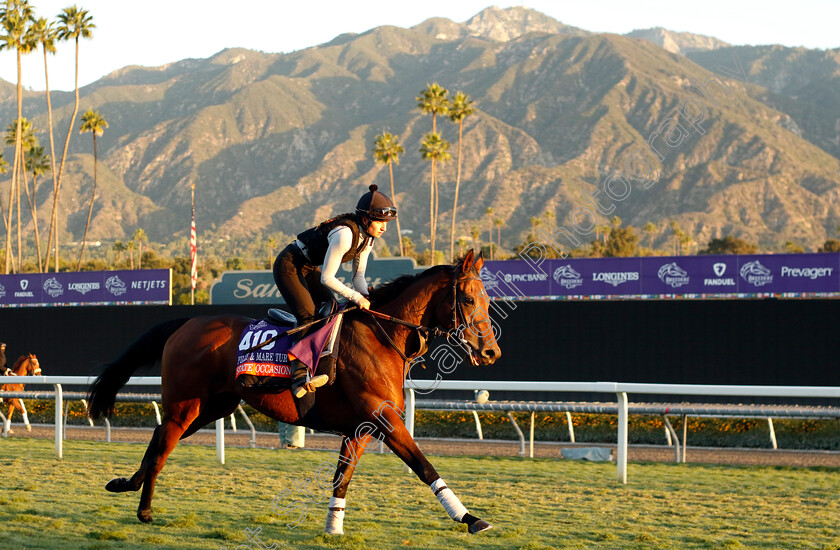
x,y
266,350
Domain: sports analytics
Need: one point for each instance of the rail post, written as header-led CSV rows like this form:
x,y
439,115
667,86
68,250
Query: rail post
x,y
59,430
621,452
220,440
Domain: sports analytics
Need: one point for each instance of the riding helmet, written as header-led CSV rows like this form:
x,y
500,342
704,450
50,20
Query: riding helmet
x,y
376,206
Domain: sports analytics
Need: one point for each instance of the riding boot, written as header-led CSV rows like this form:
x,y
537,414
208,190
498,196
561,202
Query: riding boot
x,y
326,367
301,381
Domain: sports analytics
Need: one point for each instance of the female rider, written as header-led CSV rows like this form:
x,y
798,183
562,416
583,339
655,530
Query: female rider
x,y
305,270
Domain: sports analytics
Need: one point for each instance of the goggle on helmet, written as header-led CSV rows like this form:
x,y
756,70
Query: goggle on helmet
x,y
376,206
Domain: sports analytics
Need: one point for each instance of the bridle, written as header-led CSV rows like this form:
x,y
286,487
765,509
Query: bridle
x,y
425,333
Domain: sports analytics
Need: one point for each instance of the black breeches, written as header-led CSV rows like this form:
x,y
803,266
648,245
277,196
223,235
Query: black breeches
x,y
299,283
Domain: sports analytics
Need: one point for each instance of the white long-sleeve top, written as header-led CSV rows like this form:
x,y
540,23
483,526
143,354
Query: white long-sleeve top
x,y
340,241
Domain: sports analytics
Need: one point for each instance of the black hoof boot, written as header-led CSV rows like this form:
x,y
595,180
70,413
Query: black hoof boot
x,y
475,525
120,485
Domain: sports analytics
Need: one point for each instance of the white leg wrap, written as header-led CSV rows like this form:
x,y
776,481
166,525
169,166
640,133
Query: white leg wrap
x,y
335,517
26,421
447,498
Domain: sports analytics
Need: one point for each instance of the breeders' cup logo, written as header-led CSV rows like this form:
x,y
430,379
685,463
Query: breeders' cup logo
x,y
115,286
756,274
53,287
673,275
2,291
488,279
567,277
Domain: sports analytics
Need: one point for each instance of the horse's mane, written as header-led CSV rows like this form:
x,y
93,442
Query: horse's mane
x,y
392,289
20,360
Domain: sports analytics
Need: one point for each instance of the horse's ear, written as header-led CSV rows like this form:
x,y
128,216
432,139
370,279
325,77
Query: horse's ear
x,y
479,262
468,261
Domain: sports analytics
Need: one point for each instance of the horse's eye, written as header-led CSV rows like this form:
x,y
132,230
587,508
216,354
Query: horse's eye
x,y
469,300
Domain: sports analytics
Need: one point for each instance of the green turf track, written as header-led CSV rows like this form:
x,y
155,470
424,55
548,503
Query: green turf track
x,y
542,503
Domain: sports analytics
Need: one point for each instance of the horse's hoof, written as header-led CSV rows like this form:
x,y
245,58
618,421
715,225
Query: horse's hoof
x,y
119,485
478,526
145,516
28,428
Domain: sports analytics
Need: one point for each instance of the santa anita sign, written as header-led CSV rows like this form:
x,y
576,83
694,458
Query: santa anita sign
x,y
257,287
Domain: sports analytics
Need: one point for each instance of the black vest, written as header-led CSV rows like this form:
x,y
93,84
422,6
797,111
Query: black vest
x,y
316,239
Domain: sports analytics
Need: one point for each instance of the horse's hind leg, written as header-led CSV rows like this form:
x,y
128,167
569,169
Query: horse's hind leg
x,y
121,484
167,436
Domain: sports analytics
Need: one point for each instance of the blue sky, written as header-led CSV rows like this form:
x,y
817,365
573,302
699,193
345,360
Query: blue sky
x,y
156,32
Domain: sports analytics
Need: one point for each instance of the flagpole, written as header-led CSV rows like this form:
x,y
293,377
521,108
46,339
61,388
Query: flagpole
x,y
193,248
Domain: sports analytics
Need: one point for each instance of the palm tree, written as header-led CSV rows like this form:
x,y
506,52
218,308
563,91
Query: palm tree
x,y
3,169
459,109
22,134
131,246
37,162
271,244
94,123
651,229
499,222
437,150
139,237
489,214
119,248
475,233
73,23
432,100
47,35
16,18
387,150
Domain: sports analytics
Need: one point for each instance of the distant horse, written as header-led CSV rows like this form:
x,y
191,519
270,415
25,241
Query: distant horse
x,y
198,358
26,365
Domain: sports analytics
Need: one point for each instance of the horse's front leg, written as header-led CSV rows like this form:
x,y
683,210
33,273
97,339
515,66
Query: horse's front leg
x,y
25,416
398,439
351,451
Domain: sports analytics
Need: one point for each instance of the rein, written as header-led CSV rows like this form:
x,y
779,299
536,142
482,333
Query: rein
x,y
435,331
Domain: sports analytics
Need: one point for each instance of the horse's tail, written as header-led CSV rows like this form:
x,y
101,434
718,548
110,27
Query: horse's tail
x,y
144,351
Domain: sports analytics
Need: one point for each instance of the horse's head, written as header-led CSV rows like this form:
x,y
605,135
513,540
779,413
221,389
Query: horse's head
x,y
467,312
33,367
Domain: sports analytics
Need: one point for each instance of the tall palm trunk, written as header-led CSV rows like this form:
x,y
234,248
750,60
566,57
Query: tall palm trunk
x,y
14,190
394,200
64,156
33,207
90,210
52,164
455,202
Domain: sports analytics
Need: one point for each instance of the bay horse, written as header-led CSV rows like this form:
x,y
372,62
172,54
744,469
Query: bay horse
x,y
26,365
366,400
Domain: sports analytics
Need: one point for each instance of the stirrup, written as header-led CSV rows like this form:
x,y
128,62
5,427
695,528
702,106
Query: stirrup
x,y
304,386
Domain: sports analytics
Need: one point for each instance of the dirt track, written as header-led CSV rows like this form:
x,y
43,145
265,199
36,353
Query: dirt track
x,y
636,453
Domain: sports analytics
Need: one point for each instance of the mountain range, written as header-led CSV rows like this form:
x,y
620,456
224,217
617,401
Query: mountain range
x,y
744,140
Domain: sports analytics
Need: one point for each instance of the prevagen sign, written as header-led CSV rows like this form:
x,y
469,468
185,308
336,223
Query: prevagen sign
x,y
257,287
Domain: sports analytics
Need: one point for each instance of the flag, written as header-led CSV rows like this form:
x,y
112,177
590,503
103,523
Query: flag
x,y
193,250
